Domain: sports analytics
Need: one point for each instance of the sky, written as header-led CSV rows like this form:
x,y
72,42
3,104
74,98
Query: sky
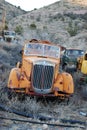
x,y
29,5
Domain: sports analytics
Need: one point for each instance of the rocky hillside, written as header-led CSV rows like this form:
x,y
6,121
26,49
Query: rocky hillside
x,y
80,2
63,22
11,11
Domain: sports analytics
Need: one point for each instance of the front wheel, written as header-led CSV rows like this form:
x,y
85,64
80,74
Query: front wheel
x,y
84,92
21,97
11,94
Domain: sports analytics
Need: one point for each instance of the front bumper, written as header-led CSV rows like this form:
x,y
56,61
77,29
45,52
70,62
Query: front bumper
x,y
61,95
71,67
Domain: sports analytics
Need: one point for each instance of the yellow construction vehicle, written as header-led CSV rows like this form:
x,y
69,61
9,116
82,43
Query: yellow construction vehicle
x,y
82,75
39,74
82,66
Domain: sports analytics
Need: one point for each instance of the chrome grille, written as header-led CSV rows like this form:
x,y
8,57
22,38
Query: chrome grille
x,y
43,77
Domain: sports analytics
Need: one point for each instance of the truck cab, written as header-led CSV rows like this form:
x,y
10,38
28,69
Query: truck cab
x,y
9,35
38,73
69,59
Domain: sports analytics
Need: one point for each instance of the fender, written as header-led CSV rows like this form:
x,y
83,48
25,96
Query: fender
x,y
14,78
84,67
64,83
68,84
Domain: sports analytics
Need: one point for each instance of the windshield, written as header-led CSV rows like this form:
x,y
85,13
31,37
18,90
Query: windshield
x,y
9,33
75,52
42,50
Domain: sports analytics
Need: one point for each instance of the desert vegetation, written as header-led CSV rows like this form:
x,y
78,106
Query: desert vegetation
x,y
62,23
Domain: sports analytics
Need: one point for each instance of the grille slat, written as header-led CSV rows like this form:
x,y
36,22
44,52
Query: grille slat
x,y
37,72
48,74
43,76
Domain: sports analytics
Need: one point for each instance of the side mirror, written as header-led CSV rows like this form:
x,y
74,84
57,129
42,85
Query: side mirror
x,y
18,65
21,52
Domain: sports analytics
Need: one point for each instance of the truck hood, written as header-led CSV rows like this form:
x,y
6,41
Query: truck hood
x,y
34,59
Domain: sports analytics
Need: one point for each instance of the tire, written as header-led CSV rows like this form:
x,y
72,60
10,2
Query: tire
x,y
21,97
84,92
10,94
